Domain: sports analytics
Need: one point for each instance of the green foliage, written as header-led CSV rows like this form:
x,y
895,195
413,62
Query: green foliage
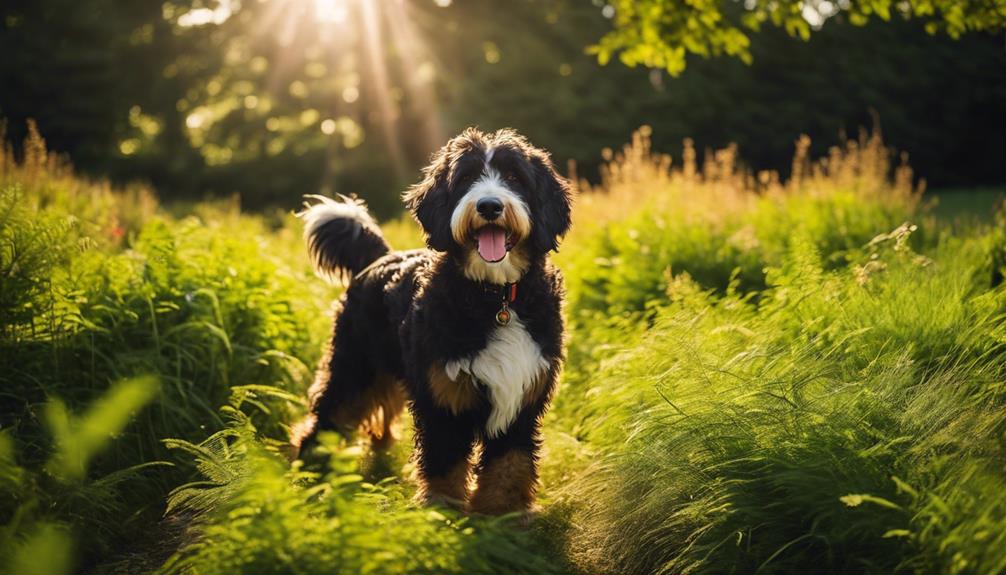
x,y
30,250
762,376
254,513
659,33
78,439
850,420
203,303
43,508
820,428
96,288
48,551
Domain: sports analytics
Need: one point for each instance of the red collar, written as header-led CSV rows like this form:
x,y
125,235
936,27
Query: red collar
x,y
510,292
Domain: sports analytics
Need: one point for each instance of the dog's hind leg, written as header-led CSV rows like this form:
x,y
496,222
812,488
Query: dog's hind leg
x,y
342,396
385,405
348,394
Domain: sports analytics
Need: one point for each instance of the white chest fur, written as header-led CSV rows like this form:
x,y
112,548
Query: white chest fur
x,y
508,365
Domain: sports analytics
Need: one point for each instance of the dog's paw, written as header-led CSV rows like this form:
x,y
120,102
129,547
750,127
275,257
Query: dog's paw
x,y
429,499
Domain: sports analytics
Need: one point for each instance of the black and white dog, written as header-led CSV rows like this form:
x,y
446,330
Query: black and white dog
x,y
469,331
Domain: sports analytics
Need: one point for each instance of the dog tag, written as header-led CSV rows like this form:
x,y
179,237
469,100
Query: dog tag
x,y
503,316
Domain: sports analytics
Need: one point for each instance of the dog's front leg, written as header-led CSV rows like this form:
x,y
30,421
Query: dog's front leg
x,y
444,447
508,472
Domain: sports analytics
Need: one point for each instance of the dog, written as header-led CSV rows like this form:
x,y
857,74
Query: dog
x,y
469,332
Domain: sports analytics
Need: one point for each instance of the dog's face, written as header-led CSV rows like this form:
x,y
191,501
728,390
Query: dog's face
x,y
494,202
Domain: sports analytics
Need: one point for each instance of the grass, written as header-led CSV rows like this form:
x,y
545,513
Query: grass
x,y
830,427
763,376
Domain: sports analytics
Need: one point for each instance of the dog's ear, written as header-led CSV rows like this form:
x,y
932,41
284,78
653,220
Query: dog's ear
x,y
428,201
553,201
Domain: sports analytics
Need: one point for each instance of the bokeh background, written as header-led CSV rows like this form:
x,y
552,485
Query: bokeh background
x,y
276,99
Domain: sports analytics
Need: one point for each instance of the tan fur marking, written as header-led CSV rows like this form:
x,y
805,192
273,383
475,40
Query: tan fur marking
x,y
519,227
386,404
510,270
507,483
518,258
457,396
375,412
451,488
537,387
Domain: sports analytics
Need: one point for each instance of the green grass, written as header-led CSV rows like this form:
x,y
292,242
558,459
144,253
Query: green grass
x,y
762,377
835,426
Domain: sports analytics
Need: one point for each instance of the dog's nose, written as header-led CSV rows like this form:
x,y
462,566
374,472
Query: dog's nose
x,y
489,208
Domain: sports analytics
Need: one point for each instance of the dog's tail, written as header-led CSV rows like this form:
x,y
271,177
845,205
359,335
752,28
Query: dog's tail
x,y
342,238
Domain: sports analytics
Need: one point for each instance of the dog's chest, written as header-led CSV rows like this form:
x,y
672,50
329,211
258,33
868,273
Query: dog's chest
x,y
508,366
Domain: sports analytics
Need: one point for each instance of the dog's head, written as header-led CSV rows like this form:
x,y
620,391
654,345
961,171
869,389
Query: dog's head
x,y
492,200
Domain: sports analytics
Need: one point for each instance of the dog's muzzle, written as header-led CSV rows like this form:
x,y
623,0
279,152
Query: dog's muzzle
x,y
492,241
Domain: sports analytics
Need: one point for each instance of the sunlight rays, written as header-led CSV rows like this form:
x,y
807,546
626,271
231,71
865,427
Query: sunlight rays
x,y
366,64
418,69
331,11
376,42
377,71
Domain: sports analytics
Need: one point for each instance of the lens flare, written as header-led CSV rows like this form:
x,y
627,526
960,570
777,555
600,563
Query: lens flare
x,y
331,11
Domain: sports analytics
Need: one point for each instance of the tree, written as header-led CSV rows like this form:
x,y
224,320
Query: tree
x,y
274,99
659,33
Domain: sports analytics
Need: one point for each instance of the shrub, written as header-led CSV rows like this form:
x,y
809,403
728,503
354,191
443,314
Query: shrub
x,y
205,303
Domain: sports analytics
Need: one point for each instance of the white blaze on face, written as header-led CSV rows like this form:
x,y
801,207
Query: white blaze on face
x,y
508,366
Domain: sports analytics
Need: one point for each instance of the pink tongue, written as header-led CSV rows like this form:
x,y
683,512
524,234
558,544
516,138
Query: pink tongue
x,y
492,243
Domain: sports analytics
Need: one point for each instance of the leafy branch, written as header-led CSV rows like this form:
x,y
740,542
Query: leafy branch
x,y
661,33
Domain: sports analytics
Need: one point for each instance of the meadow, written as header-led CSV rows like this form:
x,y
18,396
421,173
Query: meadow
x,y
763,376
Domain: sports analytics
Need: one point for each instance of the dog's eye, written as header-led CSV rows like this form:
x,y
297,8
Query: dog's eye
x,y
511,178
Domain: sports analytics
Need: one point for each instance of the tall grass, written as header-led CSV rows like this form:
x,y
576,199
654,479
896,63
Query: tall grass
x,y
763,376
651,219
836,426
827,399
718,221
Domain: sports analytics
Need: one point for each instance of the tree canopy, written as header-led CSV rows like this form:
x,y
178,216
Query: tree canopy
x,y
277,98
659,33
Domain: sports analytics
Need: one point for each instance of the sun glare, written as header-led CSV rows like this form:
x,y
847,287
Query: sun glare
x,y
331,11
201,16
381,43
